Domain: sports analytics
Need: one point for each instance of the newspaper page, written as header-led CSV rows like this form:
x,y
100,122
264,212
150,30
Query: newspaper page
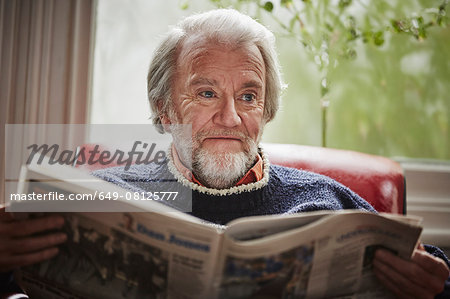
x,y
329,257
169,254
127,255
161,253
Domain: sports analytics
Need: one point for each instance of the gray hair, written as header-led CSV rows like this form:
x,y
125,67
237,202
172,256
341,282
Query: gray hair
x,y
225,26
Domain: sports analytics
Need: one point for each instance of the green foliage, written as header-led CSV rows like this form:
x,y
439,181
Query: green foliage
x,y
362,47
268,6
184,5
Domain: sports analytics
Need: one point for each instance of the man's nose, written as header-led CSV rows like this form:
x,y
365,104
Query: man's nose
x,y
228,115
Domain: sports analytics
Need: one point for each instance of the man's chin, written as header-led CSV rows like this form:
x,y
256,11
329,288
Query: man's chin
x,y
221,160
222,146
219,170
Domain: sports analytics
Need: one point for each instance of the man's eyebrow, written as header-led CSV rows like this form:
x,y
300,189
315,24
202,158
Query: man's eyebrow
x,y
252,83
203,81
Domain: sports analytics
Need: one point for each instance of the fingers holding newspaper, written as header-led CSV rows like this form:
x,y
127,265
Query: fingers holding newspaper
x,y
28,241
423,276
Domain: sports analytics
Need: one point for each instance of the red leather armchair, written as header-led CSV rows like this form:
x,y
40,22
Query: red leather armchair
x,y
378,180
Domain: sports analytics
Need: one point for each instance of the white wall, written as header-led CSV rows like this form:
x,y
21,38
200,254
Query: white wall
x,y
126,35
428,196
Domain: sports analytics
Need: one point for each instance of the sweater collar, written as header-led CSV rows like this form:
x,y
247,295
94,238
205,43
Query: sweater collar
x,y
243,187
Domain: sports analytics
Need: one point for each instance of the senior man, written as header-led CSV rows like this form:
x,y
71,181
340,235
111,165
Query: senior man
x,y
218,71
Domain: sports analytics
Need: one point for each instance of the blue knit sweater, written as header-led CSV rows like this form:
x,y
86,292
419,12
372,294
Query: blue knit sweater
x,y
287,191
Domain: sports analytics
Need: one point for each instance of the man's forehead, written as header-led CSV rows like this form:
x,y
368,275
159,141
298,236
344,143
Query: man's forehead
x,y
198,56
197,47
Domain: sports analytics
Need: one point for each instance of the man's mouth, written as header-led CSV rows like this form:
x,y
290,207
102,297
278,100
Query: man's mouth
x,y
223,143
224,138
221,139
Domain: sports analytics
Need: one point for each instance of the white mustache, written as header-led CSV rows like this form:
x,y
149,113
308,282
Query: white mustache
x,y
201,136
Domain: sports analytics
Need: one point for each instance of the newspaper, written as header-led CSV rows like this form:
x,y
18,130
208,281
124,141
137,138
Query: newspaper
x,y
164,253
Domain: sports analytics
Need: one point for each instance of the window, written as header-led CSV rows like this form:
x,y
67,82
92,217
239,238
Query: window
x,y
390,100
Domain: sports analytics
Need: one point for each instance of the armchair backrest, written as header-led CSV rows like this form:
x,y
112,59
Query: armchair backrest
x,y
378,180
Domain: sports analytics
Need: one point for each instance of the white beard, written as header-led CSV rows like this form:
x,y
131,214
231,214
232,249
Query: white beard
x,y
222,170
218,170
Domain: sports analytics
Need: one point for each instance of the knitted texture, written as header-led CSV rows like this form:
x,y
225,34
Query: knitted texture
x,y
287,191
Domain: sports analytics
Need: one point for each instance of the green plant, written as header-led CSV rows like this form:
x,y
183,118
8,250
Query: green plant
x,y
333,31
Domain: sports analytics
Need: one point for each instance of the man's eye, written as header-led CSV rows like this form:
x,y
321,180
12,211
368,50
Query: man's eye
x,y
207,94
248,97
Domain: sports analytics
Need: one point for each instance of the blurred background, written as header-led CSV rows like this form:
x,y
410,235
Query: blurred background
x,y
388,90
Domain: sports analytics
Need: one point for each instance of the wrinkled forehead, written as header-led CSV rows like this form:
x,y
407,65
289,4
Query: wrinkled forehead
x,y
223,40
196,47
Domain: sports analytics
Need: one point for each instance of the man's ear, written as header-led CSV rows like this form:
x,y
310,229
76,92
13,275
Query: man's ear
x,y
165,120
165,123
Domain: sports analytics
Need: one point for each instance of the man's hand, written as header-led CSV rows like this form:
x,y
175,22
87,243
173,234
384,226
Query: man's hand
x,y
17,245
423,276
